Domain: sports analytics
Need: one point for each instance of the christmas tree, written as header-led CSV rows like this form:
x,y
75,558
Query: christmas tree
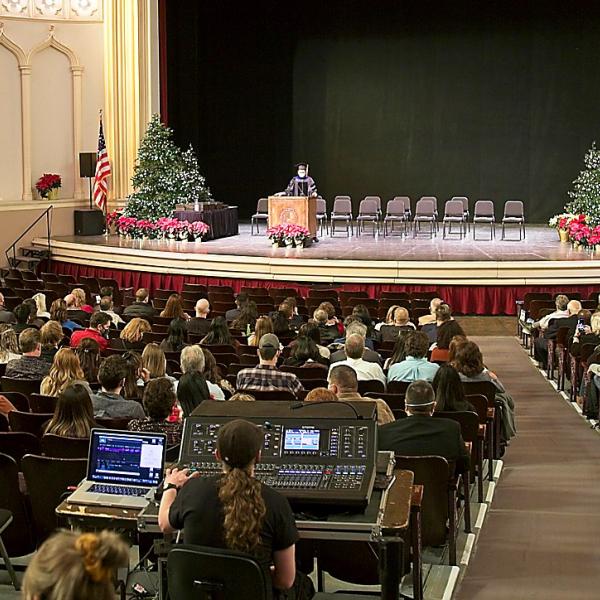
x,y
585,197
163,176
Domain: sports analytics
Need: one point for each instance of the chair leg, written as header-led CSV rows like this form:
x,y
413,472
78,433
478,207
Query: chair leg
x,y
8,564
466,479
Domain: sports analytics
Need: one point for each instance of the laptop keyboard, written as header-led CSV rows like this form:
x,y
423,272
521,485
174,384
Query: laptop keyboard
x,y
119,490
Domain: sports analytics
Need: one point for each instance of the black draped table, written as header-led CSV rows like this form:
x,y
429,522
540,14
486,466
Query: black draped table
x,y
223,222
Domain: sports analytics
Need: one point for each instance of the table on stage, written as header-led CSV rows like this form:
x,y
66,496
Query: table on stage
x,y
385,521
223,222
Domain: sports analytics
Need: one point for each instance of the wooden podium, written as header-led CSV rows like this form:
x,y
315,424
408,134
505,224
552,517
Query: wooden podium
x,y
294,210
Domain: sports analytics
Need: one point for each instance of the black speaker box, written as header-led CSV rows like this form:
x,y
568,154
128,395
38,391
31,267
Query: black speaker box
x,y
88,221
87,164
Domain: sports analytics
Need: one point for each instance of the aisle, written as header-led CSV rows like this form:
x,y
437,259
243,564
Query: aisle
x,y
541,539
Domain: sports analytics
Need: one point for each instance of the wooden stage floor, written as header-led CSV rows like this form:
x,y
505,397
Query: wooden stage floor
x,y
540,259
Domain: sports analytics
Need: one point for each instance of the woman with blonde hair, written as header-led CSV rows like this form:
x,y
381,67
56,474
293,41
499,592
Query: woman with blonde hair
x,y
65,370
79,301
263,325
58,312
40,303
174,308
72,566
51,335
154,361
9,344
131,336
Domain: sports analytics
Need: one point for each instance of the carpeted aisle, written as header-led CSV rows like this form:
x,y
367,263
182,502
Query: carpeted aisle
x,y
541,538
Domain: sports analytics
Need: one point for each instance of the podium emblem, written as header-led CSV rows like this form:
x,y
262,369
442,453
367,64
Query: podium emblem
x,y
288,216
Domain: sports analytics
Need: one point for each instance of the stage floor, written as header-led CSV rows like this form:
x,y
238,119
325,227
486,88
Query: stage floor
x,y
540,259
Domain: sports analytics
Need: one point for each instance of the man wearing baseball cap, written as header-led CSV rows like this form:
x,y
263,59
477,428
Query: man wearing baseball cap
x,y
266,376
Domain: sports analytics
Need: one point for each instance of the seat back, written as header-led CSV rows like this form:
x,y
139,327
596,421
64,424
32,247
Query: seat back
x,y
425,208
29,422
483,208
47,480
395,207
397,387
321,206
464,201
342,205
18,400
370,385
453,208
367,208
513,209
479,402
262,206
279,395
25,386
19,443
58,446
485,388
434,474
18,536
42,404
206,574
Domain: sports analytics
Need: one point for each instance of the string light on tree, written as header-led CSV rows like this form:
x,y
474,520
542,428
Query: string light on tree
x,y
585,196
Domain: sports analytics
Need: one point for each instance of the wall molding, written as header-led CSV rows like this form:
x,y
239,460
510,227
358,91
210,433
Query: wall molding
x,y
79,11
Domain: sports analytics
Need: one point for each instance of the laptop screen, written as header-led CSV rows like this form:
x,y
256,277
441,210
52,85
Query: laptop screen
x,y
126,457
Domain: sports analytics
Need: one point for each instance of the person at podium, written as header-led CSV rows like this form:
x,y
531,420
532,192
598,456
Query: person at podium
x,y
301,184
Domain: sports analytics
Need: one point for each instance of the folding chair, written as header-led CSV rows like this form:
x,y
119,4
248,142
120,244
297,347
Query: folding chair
x,y
454,213
341,213
514,214
261,214
395,212
484,213
425,212
367,213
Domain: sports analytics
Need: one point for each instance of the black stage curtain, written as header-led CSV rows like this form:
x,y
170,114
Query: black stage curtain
x,y
493,100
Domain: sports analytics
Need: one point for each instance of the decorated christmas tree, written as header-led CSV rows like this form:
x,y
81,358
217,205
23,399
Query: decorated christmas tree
x,y
585,196
164,176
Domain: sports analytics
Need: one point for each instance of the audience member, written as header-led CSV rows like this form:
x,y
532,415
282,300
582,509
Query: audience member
x,y
328,323
174,308
246,321
320,394
23,314
361,312
540,346
365,370
355,327
242,397
9,345
449,391
40,303
445,332
199,324
107,306
389,317
400,322
71,566
135,376
217,386
430,318
240,302
65,370
263,325
132,335
75,312
590,334
108,402
141,307
51,335
305,353
344,384
420,434
353,324
399,351
415,365
98,329
80,301
281,323
159,398
192,389
561,301
176,336
266,376
218,334
154,361
34,320
58,312
29,365
6,316
312,331
74,414
88,353
442,315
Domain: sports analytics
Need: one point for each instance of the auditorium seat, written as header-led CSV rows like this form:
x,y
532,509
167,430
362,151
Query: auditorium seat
x,y
59,446
42,404
6,519
163,294
29,422
19,400
17,444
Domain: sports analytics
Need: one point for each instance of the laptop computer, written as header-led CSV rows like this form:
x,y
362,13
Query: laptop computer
x,y
123,470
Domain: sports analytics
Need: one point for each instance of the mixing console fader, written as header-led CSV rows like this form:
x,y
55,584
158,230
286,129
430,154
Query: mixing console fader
x,y
311,461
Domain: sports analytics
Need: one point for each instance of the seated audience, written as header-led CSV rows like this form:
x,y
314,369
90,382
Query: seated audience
x,y
51,336
330,326
192,388
73,311
305,353
9,345
320,394
400,322
71,566
74,414
289,307
355,327
353,324
389,317
365,370
6,316
29,365
34,320
442,315
399,351
344,384
135,376
217,386
218,334
422,435
23,314
40,304
361,312
540,346
109,402
154,362
176,337
88,353
141,307
240,302
445,332
132,335
174,308
107,306
589,335
263,325
415,365
200,323
98,330
246,321
159,398
430,318
449,391
266,376
281,323
241,397
80,301
65,370
312,331
58,312
234,510
561,301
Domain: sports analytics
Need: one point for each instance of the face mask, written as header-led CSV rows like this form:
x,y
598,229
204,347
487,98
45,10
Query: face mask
x,y
301,173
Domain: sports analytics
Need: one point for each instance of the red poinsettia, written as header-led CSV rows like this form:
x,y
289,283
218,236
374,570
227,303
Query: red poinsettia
x,y
47,182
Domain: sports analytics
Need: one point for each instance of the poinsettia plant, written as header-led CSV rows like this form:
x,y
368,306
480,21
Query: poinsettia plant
x,y
46,183
289,233
163,228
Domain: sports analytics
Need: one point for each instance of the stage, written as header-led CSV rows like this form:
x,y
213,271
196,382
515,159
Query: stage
x,y
497,272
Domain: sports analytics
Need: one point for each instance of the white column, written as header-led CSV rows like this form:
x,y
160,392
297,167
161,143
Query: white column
x,y
76,75
26,129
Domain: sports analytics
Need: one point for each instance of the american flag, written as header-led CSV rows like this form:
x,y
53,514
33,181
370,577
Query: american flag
x,y
102,171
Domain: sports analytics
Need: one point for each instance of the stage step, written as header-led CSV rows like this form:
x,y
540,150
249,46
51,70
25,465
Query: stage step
x,y
35,251
29,262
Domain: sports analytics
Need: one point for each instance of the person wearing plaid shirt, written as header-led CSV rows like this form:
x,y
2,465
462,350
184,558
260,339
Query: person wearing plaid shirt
x,y
266,376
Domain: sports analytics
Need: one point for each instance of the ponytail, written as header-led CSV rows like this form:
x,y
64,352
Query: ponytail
x,y
244,509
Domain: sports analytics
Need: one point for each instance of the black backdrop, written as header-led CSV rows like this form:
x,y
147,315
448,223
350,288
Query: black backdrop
x,y
486,99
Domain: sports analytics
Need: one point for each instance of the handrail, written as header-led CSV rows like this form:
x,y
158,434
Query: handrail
x,y
13,246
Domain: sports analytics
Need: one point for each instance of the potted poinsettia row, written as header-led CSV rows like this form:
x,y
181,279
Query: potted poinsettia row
x,y
162,228
288,235
580,230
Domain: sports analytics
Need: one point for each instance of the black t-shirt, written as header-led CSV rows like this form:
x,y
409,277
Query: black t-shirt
x,y
197,510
